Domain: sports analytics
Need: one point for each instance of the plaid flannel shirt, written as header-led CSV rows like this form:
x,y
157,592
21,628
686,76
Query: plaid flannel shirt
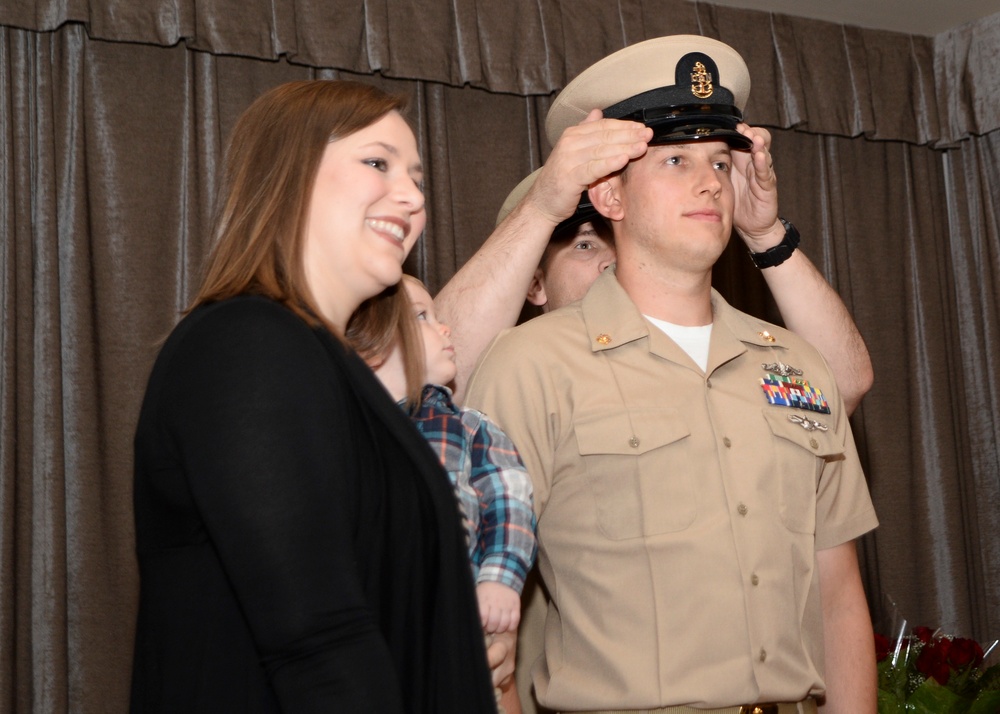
x,y
492,485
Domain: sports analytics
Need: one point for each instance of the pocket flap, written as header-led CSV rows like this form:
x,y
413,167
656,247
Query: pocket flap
x,y
634,432
804,429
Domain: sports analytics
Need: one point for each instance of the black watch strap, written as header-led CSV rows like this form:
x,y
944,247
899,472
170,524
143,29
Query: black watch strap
x,y
778,254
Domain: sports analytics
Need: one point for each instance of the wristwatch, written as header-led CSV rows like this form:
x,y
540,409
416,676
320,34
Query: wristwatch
x,y
778,254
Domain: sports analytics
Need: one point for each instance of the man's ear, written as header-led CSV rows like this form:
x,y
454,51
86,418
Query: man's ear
x,y
536,290
604,194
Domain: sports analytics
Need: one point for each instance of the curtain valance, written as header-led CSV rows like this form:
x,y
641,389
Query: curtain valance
x,y
816,76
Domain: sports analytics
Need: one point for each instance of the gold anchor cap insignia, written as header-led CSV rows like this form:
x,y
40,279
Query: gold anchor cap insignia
x,y
701,81
604,339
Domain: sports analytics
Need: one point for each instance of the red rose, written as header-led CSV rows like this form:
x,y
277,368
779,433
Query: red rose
x,y
924,634
932,661
881,647
965,652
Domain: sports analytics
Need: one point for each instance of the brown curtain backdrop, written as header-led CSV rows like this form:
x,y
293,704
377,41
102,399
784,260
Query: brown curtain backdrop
x,y
113,118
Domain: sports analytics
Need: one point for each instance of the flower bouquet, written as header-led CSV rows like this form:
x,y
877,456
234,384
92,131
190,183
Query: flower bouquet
x,y
926,672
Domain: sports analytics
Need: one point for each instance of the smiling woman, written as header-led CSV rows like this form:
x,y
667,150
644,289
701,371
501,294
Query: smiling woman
x,y
299,546
366,212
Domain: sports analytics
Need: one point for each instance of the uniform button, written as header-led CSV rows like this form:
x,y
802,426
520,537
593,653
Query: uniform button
x,y
708,383
742,509
763,654
754,579
633,442
726,441
813,443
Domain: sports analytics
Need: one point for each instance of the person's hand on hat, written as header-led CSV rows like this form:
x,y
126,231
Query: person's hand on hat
x,y
585,152
756,188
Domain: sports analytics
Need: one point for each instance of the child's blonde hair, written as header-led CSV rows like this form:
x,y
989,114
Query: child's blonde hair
x,y
387,321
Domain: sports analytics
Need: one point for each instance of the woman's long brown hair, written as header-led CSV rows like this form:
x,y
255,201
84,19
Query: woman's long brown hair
x,y
271,164
384,322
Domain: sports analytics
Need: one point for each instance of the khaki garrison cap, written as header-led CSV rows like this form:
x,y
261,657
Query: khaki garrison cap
x,y
685,87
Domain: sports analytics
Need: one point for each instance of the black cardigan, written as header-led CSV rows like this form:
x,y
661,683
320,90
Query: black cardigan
x,y
299,543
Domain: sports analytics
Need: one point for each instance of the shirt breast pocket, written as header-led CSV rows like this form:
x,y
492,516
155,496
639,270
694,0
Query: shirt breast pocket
x,y
633,466
800,455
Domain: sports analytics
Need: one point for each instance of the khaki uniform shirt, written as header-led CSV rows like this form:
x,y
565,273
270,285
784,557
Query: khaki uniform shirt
x,y
678,511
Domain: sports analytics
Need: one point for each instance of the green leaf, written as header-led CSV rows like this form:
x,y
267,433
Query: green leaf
x,y
931,698
990,680
894,680
889,703
986,703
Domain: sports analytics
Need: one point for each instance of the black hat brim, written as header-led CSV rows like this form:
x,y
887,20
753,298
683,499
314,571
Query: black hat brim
x,y
693,122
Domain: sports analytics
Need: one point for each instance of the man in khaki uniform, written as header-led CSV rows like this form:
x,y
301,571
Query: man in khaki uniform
x,y
696,482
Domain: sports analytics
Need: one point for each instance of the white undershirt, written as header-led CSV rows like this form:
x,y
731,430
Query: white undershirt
x,y
693,340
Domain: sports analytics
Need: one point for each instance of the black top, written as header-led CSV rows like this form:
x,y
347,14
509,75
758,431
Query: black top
x,y
299,543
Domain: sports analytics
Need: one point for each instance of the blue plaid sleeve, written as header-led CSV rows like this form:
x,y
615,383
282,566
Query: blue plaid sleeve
x,y
507,545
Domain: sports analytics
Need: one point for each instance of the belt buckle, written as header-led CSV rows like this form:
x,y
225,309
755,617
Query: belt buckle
x,y
759,709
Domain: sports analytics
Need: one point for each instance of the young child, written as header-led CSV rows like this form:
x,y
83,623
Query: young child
x,y
398,334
